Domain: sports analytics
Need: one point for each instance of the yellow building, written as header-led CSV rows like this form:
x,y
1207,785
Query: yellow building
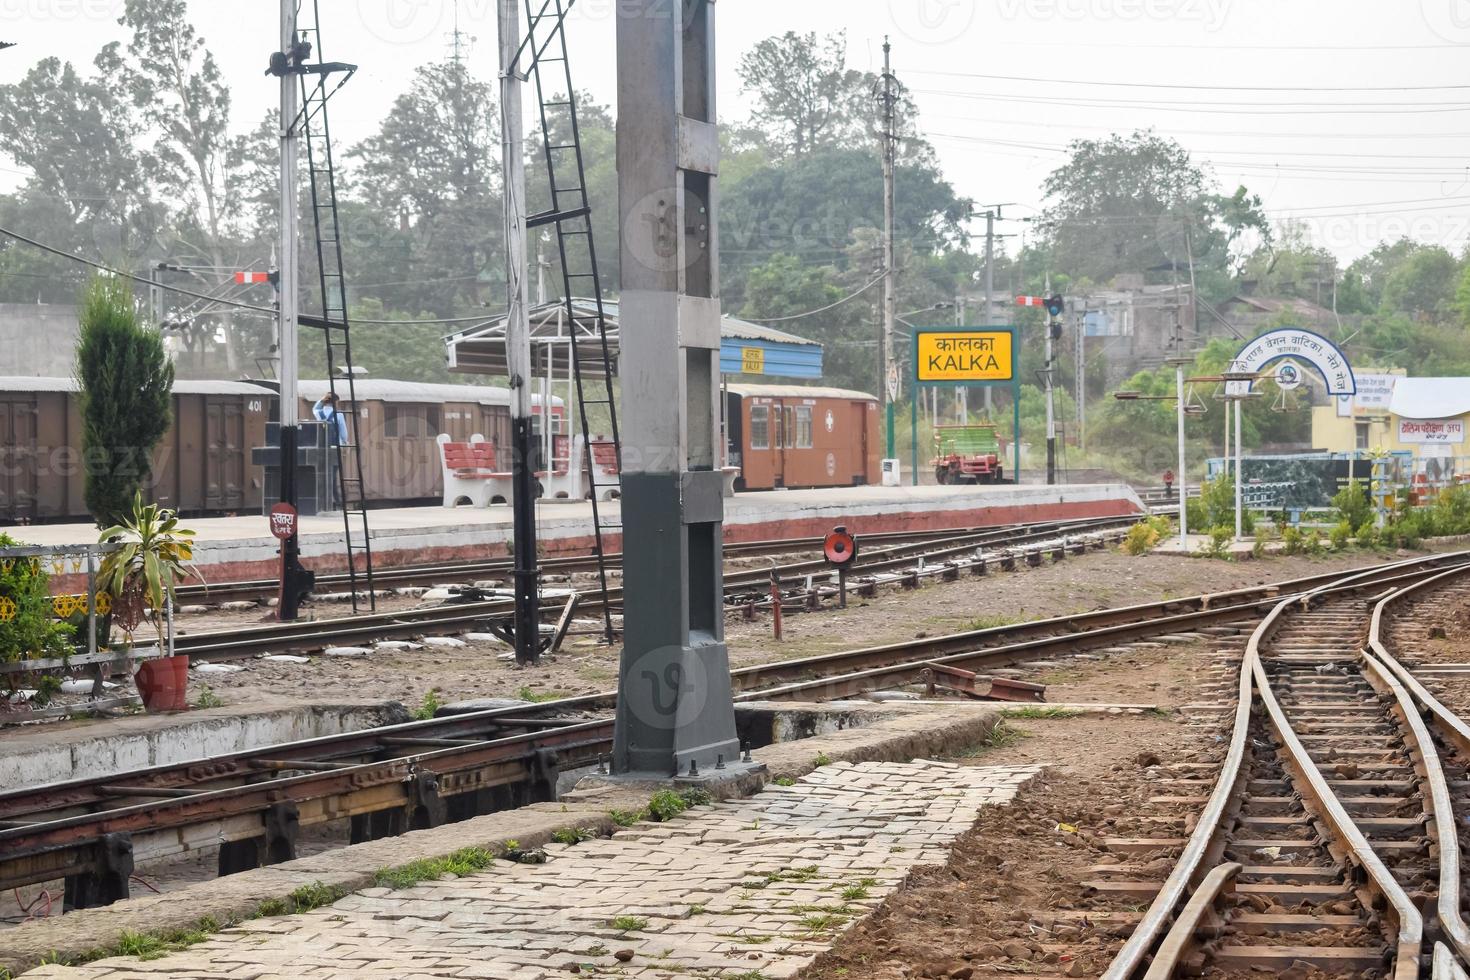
x,y
1426,418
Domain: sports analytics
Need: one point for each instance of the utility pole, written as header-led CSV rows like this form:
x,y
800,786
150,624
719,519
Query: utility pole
x,y
1053,330
1081,382
890,283
527,627
987,320
286,64
962,393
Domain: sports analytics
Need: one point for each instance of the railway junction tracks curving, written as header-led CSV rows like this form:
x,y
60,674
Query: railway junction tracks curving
x,y
1328,836
251,805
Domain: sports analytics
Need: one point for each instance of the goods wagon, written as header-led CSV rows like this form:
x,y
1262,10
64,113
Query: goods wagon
x,y
789,436
200,467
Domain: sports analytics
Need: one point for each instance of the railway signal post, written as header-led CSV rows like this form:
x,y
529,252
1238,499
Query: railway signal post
x,y
285,64
675,713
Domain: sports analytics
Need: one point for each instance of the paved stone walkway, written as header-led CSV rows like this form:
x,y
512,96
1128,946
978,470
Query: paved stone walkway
x,y
751,888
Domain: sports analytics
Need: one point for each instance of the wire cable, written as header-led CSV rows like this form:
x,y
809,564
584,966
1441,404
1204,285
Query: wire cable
x,y
830,306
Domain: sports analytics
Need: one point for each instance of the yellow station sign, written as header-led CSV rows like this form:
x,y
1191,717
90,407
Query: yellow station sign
x,y
752,360
965,356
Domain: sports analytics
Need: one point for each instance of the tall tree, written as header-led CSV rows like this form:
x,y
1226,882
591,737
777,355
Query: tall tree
x,y
175,83
1139,204
431,172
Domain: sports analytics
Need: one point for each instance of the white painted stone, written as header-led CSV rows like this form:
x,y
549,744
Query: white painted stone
x,y
444,641
217,668
346,651
285,658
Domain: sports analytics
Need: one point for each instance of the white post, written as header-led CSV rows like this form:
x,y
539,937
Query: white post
x,y
1183,480
1239,513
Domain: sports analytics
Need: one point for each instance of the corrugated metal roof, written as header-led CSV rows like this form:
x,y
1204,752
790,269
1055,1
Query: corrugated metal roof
x,y
731,327
1430,398
180,387
413,392
798,391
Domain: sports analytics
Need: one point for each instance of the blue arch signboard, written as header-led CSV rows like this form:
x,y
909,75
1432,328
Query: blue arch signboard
x,y
1303,345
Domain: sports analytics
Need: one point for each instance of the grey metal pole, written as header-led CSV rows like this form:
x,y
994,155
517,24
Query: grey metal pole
x,y
518,341
675,712
287,312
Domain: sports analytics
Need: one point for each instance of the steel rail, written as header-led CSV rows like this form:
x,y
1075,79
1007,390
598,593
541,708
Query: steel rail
x,y
1210,827
467,616
440,572
437,572
1181,937
1412,698
1008,639
326,758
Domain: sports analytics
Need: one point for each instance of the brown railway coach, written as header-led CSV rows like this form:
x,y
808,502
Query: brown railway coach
x,y
202,465
789,436
398,422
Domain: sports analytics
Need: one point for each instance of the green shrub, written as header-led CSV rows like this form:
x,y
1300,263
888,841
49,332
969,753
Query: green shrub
x,y
1215,507
1368,536
1352,504
125,384
1312,544
1140,539
1292,540
1219,544
28,630
1341,535
1451,512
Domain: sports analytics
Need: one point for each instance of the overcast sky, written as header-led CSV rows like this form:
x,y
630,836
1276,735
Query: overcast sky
x,y
1352,115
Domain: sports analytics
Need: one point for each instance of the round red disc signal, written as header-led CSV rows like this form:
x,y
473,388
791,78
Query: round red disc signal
x,y
840,547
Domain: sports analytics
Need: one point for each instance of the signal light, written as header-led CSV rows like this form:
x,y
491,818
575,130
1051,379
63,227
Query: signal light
x,y
1056,306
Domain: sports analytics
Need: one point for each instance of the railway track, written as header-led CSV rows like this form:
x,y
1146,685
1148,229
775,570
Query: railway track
x,y
806,583
252,804
438,573
1327,838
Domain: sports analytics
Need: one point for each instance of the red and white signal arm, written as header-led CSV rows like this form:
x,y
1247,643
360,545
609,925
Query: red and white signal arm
x,y
251,278
1030,300
283,521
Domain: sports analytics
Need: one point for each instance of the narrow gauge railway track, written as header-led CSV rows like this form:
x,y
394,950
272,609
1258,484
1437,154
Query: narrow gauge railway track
x,y
422,773
468,571
971,550
1329,835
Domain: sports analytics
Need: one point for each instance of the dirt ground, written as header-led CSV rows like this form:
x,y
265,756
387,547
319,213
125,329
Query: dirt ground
x,y
1013,898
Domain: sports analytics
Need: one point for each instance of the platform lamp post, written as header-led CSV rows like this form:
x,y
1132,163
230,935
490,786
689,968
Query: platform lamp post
x,y
1237,374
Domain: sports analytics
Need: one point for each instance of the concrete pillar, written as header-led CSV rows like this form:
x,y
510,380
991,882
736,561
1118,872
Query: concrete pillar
x,y
674,699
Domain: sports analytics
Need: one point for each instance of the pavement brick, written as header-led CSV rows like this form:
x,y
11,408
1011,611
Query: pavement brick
x,y
747,885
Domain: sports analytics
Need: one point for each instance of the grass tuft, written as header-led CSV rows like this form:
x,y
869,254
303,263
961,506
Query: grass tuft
x,y
629,923
465,861
1040,712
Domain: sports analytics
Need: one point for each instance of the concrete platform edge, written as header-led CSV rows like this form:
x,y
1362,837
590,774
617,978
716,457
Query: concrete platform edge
x,y
899,736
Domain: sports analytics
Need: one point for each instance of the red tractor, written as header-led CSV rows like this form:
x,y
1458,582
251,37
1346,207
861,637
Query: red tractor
x,y
967,454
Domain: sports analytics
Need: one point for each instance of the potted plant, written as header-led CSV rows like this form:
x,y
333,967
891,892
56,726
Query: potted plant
x,y
28,630
142,573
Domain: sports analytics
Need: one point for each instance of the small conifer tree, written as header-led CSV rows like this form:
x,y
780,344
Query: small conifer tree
x,y
126,382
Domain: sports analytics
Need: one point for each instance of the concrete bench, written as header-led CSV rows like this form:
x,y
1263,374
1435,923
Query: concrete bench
x,y
470,474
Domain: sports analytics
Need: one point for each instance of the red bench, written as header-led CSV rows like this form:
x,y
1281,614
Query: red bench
x,y
470,473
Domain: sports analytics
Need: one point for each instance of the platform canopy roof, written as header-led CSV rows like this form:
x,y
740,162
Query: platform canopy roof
x,y
481,348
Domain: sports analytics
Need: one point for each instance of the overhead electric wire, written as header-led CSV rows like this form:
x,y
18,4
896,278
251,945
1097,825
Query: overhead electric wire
x,y
62,253
1089,83
830,306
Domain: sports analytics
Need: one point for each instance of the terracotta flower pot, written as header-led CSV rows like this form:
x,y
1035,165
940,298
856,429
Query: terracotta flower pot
x,y
164,684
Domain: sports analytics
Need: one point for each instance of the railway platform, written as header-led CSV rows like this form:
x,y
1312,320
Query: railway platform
x,y
240,548
758,886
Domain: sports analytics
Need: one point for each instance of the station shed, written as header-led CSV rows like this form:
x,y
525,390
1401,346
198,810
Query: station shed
x,y
1424,420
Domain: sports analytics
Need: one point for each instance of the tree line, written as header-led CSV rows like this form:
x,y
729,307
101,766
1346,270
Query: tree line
x,y
137,159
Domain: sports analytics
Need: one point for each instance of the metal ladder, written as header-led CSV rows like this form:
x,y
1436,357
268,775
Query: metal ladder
x,y
571,213
317,87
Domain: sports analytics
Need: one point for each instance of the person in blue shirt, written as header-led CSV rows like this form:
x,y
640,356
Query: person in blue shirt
x,y
326,410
